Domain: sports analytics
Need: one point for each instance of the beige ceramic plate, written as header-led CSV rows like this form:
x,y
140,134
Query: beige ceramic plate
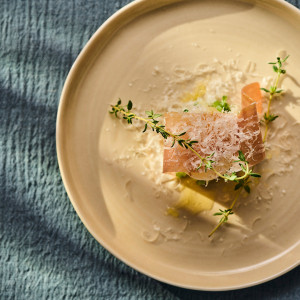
x,y
146,52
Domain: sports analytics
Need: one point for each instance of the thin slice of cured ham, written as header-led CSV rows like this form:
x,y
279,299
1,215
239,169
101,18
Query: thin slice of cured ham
x,y
251,93
251,143
223,134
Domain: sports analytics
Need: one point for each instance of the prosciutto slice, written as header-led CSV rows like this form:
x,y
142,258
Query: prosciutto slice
x,y
251,93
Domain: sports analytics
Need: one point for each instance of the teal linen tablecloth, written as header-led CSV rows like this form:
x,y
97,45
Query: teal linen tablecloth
x,y
45,251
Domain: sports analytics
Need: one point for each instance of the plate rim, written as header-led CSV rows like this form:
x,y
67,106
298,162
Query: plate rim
x,y
126,10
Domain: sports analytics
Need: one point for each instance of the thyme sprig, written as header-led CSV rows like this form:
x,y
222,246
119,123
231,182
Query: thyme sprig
x,y
225,213
272,91
268,118
241,183
151,121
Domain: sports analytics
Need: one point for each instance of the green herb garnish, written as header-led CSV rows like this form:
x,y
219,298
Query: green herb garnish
x,y
181,175
222,105
272,91
201,182
243,184
224,213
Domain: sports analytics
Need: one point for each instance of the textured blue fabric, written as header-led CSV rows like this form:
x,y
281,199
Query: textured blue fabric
x,y
45,251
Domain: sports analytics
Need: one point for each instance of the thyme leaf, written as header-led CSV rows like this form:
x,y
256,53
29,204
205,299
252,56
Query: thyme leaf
x,y
222,105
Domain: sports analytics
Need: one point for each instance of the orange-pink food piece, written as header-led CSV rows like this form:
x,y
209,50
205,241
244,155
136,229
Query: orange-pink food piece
x,y
223,134
251,93
253,148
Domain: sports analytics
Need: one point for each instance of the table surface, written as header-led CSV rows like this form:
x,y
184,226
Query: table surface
x,y
45,251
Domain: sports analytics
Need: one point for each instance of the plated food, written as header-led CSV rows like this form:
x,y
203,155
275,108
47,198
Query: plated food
x,y
189,55
214,143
